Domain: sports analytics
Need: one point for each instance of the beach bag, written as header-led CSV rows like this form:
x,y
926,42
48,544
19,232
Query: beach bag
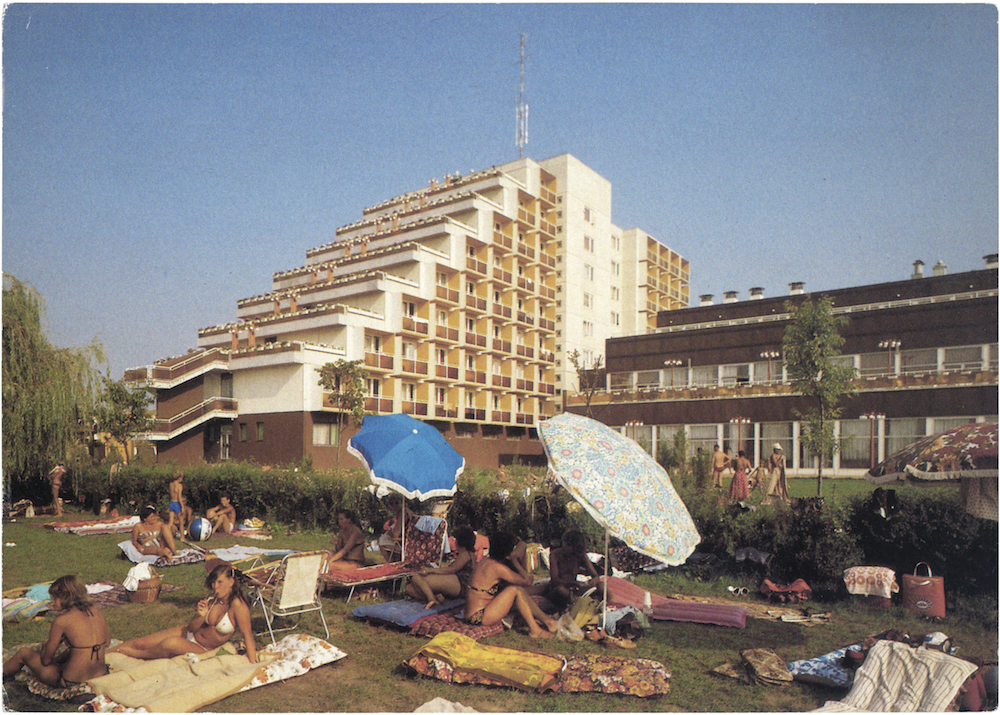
x,y
586,612
923,595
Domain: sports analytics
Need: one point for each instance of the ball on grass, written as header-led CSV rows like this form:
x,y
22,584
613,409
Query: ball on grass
x,y
200,529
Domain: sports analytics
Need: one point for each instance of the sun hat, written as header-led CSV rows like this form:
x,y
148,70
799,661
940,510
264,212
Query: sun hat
x,y
777,447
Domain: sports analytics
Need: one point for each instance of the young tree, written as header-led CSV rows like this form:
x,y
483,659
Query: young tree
x,y
345,380
123,412
48,392
589,379
810,345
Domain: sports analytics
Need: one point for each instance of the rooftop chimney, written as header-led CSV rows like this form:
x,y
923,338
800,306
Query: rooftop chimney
x,y
991,260
918,269
706,299
756,293
731,296
797,288
940,268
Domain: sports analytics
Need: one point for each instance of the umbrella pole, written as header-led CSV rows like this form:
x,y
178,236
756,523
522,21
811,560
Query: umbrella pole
x,y
607,540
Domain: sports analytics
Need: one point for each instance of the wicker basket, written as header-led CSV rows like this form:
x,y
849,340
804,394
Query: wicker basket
x,y
147,591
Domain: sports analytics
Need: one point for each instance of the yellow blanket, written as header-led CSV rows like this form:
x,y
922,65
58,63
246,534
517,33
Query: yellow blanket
x,y
180,684
522,669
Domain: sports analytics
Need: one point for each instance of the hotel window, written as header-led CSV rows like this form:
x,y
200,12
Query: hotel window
x,y
410,351
441,356
260,431
615,294
373,386
442,279
588,300
373,344
409,309
409,391
615,318
616,269
442,317
588,329
324,434
440,394
243,431
588,244
586,214
588,271
616,242
470,362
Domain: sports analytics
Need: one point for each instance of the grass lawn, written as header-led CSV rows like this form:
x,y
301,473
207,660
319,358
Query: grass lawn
x,y
371,678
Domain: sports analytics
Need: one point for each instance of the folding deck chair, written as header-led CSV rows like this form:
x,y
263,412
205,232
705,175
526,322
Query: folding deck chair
x,y
290,587
422,549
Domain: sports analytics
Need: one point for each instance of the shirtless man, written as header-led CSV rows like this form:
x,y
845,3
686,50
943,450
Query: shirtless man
x,y
175,507
719,463
223,517
55,476
151,536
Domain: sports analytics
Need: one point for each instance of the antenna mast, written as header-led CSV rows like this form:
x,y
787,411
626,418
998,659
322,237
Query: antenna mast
x,y
522,111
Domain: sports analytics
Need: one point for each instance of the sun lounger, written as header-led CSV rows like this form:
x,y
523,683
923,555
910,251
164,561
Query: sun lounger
x,y
625,593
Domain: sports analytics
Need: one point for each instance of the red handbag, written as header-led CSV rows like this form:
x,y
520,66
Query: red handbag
x,y
923,595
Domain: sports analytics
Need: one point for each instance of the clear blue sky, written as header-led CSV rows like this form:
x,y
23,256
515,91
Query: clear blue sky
x,y
161,161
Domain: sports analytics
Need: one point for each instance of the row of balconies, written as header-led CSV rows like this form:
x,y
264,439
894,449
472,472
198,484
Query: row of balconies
x,y
385,405
383,364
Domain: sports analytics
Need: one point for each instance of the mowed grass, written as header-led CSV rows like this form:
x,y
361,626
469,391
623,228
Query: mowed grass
x,y
372,678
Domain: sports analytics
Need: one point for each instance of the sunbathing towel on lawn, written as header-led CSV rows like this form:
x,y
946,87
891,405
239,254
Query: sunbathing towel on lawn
x,y
451,660
232,554
625,593
116,525
403,613
295,654
187,556
896,677
449,622
825,669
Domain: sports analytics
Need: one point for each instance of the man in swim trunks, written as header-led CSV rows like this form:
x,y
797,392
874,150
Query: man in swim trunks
x,y
175,507
719,463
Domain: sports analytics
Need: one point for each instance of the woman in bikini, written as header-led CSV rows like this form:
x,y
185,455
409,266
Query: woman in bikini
x,y
151,536
437,584
349,544
497,586
84,630
217,619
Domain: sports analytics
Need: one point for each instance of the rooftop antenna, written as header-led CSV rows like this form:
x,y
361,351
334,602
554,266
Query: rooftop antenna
x,y
522,111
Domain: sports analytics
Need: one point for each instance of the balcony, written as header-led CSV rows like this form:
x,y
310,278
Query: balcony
x,y
447,411
546,324
547,260
475,266
212,408
525,385
546,388
526,352
475,376
526,251
546,356
525,285
502,275
525,419
378,361
501,381
547,228
502,346
374,404
475,340
443,332
504,311
525,217
499,416
446,294
414,367
501,241
546,292
446,372
415,325
472,413
415,408
547,195
474,303
166,375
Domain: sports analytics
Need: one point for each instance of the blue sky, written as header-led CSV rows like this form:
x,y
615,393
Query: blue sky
x,y
160,162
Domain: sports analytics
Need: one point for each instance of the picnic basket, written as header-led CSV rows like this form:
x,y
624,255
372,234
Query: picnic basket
x,y
147,591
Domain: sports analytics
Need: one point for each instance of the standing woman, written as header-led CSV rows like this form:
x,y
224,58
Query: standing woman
x,y
217,619
778,485
82,627
739,489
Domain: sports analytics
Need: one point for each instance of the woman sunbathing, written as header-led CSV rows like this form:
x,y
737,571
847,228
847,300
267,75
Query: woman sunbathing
x,y
437,584
217,619
151,536
82,627
497,585
349,544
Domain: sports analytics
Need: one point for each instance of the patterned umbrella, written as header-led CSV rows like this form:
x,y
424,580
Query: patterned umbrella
x,y
407,456
966,456
620,486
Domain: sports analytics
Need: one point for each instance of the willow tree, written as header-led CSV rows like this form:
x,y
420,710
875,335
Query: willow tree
x,y
48,392
345,381
811,346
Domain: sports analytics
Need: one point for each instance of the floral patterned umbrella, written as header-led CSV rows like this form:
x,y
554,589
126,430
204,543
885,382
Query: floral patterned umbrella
x,y
969,451
620,486
966,456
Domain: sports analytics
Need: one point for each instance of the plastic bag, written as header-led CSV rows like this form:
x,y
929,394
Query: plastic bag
x,y
568,630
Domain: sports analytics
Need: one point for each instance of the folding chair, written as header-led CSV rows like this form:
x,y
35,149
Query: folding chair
x,y
290,587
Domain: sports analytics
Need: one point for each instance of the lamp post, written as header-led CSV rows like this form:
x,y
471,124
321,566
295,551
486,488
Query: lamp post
x,y
891,345
770,355
872,417
673,365
739,422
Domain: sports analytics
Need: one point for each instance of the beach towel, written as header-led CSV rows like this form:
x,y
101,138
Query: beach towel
x,y
403,613
625,593
638,677
186,556
897,677
232,554
450,622
517,668
826,669
876,581
91,527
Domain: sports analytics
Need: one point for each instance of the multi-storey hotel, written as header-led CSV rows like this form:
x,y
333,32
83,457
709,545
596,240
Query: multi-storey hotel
x,y
925,351
463,299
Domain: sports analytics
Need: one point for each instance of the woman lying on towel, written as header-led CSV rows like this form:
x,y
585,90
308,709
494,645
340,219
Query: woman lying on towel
x,y
497,585
435,585
217,619
349,544
82,627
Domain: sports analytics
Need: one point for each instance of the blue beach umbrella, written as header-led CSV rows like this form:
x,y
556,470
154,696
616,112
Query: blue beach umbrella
x,y
407,456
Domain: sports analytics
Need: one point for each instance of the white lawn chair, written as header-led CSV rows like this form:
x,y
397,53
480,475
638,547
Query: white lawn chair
x,y
291,588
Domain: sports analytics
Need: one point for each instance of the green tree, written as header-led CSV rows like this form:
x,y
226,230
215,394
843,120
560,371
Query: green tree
x,y
811,345
345,380
590,380
123,412
48,392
